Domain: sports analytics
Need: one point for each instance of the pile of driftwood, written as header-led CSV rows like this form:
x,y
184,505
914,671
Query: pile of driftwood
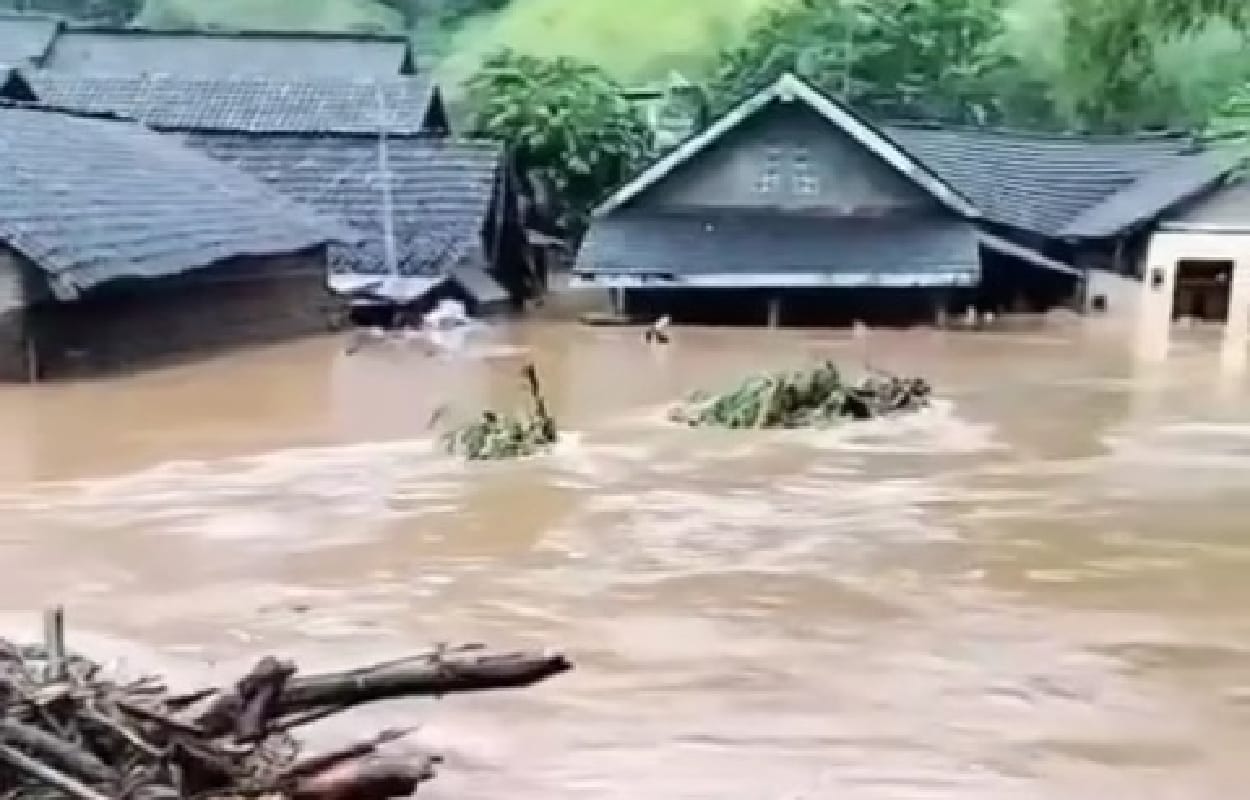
x,y
497,436
68,731
815,397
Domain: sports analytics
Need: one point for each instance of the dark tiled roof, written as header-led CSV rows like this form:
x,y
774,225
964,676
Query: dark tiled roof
x,y
1225,209
25,38
785,243
134,51
440,192
250,105
90,200
1038,183
1153,194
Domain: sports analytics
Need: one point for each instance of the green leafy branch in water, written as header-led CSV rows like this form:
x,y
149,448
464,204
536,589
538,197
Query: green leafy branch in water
x,y
498,436
817,397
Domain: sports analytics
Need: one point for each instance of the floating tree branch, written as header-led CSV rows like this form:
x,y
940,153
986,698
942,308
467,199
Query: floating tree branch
x,y
816,397
67,732
497,436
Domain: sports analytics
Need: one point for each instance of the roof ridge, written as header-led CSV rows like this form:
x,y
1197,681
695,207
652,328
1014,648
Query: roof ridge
x,y
67,111
1072,136
242,33
36,16
240,79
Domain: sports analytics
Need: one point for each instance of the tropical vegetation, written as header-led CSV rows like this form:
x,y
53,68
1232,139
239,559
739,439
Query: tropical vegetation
x,y
546,73
565,119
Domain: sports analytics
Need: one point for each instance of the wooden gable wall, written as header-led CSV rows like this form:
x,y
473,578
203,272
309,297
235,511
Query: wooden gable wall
x,y
788,157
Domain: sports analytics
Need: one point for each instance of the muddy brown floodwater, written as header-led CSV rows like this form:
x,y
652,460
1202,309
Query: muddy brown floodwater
x,y
1038,589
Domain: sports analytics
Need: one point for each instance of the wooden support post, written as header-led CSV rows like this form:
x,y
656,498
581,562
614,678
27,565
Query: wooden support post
x,y
774,311
32,360
54,642
939,310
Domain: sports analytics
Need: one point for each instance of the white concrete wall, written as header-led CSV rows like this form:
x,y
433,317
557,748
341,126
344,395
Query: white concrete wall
x,y
1158,287
1123,295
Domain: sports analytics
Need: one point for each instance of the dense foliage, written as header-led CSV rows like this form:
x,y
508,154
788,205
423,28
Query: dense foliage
x,y
898,57
1101,67
817,397
565,120
498,435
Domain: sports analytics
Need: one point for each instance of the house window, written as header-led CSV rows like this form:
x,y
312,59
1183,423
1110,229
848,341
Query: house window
x,y
770,177
805,181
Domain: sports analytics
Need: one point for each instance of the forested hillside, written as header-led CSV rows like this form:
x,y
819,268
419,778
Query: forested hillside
x,y
1093,64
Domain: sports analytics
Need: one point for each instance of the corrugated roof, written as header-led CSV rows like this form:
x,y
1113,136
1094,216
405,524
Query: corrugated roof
x,y
1226,210
759,244
1151,195
89,200
136,51
251,104
25,38
440,192
1037,182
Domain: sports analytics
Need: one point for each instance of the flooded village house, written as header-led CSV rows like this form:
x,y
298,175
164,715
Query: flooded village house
x,y
118,246
338,122
793,208
437,216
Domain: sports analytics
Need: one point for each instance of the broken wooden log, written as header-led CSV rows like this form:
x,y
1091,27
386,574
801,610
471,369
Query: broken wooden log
x,y
365,780
46,775
68,731
56,752
431,675
246,709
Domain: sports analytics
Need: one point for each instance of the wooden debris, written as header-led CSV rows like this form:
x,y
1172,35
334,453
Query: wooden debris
x,y
498,436
65,731
657,333
817,397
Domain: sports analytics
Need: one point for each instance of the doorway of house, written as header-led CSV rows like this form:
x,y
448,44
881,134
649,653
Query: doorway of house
x,y
1202,290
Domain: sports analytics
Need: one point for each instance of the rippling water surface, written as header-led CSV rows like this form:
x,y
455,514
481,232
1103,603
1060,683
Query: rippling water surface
x,y
1036,589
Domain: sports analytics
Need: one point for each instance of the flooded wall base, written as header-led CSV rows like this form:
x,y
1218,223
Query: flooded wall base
x,y
248,301
799,307
13,346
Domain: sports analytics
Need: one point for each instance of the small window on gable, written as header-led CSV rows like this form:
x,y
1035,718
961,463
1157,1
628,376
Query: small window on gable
x,y
770,174
805,180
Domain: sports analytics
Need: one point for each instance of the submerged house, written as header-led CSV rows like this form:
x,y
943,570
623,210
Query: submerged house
x,y
787,196
1074,213
792,207
119,245
436,216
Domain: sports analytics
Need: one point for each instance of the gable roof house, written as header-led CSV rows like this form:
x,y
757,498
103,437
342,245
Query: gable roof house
x,y
435,215
788,192
117,244
1034,212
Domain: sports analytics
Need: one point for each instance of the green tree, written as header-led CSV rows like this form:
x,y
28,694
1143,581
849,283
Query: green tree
x,y
1111,77
564,119
932,58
